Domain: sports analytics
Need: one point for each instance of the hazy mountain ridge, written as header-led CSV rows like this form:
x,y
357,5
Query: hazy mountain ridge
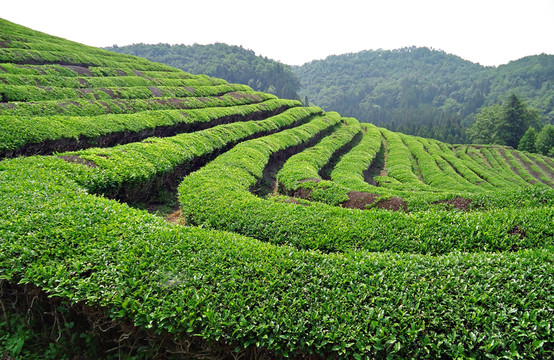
x,y
422,91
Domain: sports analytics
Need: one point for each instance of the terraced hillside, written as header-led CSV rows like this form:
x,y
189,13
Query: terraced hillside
x,y
298,234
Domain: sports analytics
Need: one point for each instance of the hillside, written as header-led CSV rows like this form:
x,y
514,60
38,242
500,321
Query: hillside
x,y
416,91
421,91
146,212
232,63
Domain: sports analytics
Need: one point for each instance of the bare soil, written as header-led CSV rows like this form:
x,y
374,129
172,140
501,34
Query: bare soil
x,y
517,231
155,91
78,160
359,200
81,70
378,166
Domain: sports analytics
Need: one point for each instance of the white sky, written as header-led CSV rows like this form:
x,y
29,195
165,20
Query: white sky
x,y
490,32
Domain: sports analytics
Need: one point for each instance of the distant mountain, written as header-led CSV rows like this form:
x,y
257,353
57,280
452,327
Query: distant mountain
x,y
232,63
421,91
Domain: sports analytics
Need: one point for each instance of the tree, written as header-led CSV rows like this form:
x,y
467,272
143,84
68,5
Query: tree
x,y
545,140
516,119
504,125
483,131
527,142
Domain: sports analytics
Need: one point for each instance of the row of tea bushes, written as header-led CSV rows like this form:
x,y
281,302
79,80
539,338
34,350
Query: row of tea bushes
x,y
17,132
84,107
235,293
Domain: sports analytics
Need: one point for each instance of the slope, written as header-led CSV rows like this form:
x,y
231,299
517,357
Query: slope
x,y
85,275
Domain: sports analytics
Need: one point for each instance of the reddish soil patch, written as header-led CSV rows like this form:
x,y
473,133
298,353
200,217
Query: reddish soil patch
x,y
517,232
81,70
359,200
175,218
83,82
155,91
78,160
291,200
310,179
457,203
393,204
109,92
302,193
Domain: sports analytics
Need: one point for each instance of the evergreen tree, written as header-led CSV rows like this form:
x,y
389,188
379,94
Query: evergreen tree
x,y
515,120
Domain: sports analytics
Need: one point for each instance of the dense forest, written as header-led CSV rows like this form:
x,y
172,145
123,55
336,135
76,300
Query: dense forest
x,y
232,63
422,91
417,91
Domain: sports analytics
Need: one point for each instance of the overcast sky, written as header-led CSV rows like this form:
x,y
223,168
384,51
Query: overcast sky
x,y
490,32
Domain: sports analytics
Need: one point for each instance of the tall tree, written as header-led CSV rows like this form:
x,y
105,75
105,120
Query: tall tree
x,y
504,125
516,119
483,131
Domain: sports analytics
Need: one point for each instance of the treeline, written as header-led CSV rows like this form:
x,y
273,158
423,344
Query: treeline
x,y
232,63
422,91
513,124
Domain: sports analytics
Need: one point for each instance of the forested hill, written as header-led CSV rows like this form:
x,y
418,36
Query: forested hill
x,y
232,63
421,91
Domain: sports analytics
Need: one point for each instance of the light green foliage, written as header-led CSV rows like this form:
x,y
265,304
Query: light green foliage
x,y
17,132
308,163
89,108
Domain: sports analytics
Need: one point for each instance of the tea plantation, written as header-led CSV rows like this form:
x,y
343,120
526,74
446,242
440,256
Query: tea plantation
x,y
285,231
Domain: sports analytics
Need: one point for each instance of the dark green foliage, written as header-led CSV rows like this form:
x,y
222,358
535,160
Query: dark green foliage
x,y
232,63
527,142
517,118
504,125
545,140
423,92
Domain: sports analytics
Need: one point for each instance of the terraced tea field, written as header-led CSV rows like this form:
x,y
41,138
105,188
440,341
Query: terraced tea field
x,y
298,233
